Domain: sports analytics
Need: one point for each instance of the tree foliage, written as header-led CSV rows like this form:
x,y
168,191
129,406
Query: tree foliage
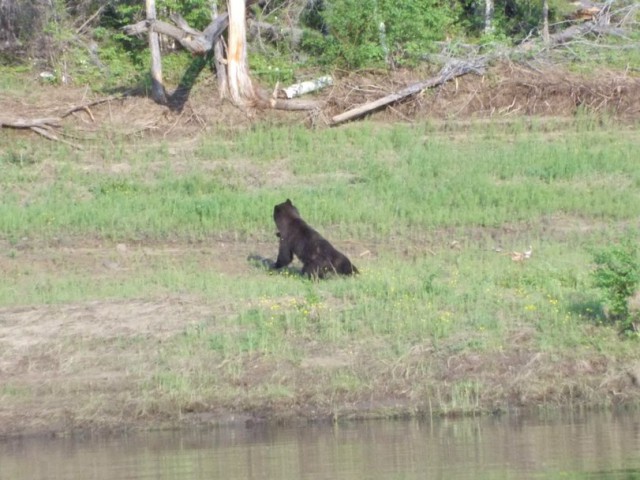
x,y
124,12
342,33
367,32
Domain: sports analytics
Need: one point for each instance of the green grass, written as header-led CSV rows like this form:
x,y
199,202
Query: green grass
x,y
395,187
434,210
365,181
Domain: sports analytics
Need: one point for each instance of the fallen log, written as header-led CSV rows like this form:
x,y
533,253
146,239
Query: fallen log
x,y
47,122
450,71
41,126
298,89
46,126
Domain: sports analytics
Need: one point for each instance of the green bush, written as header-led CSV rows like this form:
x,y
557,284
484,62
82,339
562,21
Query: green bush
x,y
413,27
364,33
618,274
124,12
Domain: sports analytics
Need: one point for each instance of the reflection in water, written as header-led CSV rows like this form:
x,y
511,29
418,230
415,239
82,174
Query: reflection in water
x,y
593,446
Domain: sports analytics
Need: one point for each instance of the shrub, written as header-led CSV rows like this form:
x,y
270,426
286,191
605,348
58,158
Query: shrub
x,y
365,33
618,274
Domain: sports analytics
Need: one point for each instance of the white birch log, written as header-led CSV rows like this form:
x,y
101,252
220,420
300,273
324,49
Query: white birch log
x,y
309,86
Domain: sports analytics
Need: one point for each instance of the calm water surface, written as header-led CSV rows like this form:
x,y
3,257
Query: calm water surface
x,y
593,446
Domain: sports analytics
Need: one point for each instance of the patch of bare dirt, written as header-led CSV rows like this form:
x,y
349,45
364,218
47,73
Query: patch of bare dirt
x,y
56,359
61,362
22,328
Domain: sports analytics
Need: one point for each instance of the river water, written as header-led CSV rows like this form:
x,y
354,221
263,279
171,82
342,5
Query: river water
x,y
567,446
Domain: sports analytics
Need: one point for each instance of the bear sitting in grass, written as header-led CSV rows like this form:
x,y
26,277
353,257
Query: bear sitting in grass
x,y
297,238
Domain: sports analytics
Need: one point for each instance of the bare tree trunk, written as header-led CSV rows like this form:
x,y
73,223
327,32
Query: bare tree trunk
x,y
218,55
236,83
545,21
157,87
241,89
488,17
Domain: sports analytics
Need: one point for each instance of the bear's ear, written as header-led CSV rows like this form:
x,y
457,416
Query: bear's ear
x,y
288,202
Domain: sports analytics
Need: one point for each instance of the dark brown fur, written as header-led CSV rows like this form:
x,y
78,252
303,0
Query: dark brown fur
x,y
297,238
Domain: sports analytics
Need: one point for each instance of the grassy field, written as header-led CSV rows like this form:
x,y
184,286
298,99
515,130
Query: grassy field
x,y
128,294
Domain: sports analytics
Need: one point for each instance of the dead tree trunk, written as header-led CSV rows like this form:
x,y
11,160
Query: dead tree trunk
x,y
218,55
488,17
236,84
157,87
241,90
545,21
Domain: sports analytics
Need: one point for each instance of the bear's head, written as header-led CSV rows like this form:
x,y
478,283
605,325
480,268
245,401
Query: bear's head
x,y
283,213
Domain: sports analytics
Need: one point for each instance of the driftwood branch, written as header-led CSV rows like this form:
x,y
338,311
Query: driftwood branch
x,y
294,105
46,126
450,71
85,106
198,43
182,24
41,126
193,40
47,122
575,31
91,18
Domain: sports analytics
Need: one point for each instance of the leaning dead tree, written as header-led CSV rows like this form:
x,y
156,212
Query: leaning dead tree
x,y
238,85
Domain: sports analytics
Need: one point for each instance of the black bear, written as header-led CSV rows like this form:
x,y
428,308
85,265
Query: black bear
x,y
297,238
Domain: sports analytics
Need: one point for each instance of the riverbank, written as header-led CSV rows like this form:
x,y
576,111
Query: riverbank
x,y
193,355
128,300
